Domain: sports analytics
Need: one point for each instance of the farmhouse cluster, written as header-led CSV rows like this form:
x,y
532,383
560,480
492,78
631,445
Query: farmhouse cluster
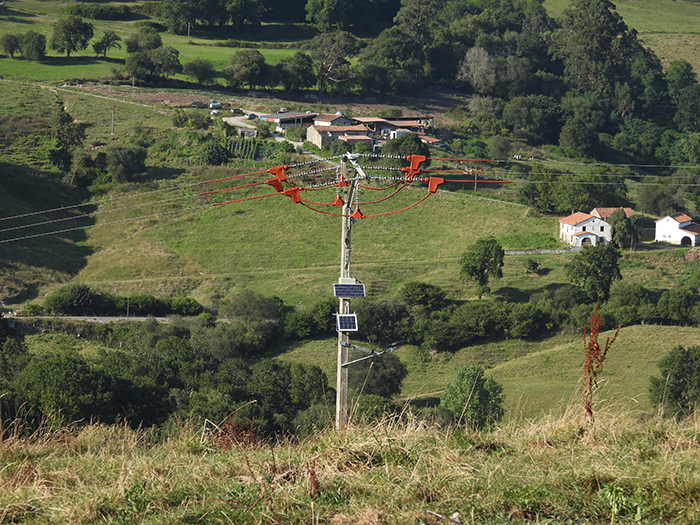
x,y
325,128
589,229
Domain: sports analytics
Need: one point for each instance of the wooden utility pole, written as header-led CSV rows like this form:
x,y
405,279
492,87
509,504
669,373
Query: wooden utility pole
x,y
341,400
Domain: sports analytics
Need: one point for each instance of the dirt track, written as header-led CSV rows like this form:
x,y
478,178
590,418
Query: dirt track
x,y
431,102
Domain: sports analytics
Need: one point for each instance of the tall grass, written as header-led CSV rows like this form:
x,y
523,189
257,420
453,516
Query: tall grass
x,y
398,471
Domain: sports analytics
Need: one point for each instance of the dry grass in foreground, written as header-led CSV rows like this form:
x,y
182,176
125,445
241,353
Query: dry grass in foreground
x,y
617,470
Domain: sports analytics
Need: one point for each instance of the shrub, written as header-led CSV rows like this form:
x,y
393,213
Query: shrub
x,y
428,295
200,69
76,299
381,376
33,46
124,161
677,391
473,398
213,153
64,386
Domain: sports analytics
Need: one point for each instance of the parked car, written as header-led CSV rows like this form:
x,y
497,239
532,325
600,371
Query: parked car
x,y
199,104
213,104
250,116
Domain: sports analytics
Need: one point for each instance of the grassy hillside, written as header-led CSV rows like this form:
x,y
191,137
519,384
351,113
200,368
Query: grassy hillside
x,y
558,471
538,378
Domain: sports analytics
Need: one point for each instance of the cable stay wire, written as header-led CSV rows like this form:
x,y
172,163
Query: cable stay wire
x,y
95,203
56,232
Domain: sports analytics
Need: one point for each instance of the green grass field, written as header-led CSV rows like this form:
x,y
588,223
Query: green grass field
x,y
539,378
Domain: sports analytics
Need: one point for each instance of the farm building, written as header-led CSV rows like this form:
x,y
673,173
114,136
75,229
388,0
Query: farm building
x,y
331,119
677,229
322,136
583,229
289,120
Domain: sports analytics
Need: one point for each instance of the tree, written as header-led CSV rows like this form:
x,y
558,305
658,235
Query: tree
x,y
393,62
622,228
108,41
595,268
246,66
531,266
71,34
687,116
676,305
330,53
165,61
33,46
679,75
145,39
405,145
474,398
478,69
534,117
482,262
178,15
416,18
595,45
125,160
10,43
200,69
296,72
578,137
677,391
329,15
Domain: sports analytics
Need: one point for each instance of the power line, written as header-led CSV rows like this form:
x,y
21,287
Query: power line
x,y
85,215
670,166
74,206
56,232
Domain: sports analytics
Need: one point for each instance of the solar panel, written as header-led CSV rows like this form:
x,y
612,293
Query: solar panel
x,y
349,290
346,322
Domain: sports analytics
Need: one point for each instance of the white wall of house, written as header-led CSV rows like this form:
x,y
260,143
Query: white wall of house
x,y
677,230
590,230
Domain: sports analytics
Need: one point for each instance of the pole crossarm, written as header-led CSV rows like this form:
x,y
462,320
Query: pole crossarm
x,y
372,353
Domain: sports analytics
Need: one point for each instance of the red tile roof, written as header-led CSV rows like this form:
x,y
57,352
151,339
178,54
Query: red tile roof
x,y
576,218
605,213
680,217
358,127
692,228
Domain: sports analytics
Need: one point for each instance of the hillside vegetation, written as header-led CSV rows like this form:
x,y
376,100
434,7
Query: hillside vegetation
x,y
226,416
557,471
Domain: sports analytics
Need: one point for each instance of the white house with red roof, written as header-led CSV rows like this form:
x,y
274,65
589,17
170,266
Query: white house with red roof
x,y
677,229
584,229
